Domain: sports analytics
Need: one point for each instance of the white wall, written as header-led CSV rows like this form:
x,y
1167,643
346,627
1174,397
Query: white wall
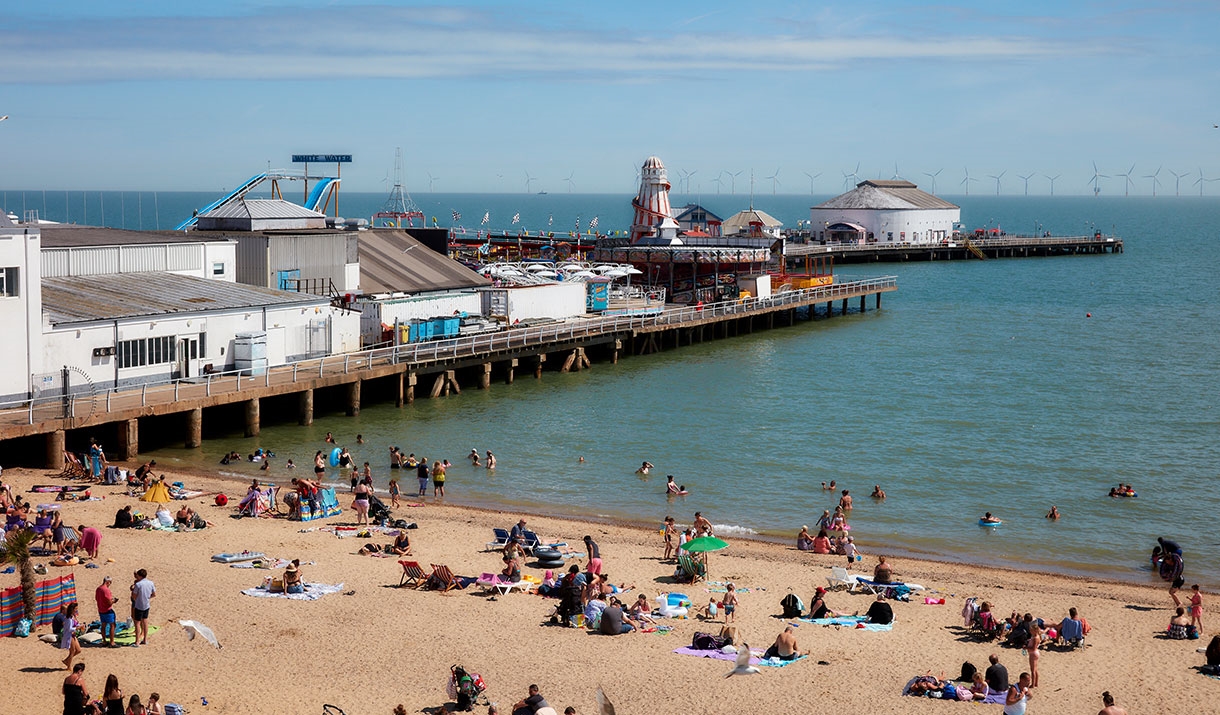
x,y
557,300
918,225
375,312
21,315
188,259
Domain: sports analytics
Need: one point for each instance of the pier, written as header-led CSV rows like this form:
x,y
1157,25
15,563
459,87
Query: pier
x,y
402,372
959,249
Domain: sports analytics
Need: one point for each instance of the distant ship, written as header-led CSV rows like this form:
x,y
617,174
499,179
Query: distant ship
x,y
542,193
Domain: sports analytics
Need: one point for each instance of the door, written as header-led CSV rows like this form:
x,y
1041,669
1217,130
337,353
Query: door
x,y
188,352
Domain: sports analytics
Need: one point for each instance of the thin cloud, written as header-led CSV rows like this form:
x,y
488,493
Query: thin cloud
x,y
385,43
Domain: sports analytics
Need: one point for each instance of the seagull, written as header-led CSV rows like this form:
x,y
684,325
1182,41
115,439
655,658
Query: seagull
x,y
194,628
743,662
604,707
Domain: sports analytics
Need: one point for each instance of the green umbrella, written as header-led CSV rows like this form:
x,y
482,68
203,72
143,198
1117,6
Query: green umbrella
x,y
704,544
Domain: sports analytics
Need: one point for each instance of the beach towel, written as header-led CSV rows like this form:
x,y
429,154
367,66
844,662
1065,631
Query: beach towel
x,y
235,557
313,591
125,635
755,657
853,622
261,564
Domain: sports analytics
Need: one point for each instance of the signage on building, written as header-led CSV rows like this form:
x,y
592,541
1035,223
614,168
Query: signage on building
x,y
322,158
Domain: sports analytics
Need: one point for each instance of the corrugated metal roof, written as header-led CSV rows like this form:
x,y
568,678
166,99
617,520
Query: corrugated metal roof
x,y
262,209
67,236
743,219
392,261
886,194
685,211
91,298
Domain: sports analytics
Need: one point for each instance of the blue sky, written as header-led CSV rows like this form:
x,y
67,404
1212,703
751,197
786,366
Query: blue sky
x,y
161,95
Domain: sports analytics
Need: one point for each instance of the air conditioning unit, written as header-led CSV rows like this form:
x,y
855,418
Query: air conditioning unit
x,y
103,352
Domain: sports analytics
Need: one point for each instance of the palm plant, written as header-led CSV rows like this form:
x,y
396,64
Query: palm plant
x,y
15,549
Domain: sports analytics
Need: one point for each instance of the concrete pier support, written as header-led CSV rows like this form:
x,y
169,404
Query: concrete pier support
x,y
353,398
844,311
194,428
410,389
253,422
55,449
539,359
862,308
305,407
451,383
878,301
401,380
485,378
438,385
129,440
511,366
618,345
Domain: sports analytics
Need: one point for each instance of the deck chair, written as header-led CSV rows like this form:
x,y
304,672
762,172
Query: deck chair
x,y
529,541
1071,634
501,584
73,469
692,570
442,579
413,575
501,540
839,577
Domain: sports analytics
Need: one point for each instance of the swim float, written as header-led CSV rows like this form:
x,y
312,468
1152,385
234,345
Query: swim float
x,y
334,457
983,522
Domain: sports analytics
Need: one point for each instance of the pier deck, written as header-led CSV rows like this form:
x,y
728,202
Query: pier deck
x,y
403,366
957,250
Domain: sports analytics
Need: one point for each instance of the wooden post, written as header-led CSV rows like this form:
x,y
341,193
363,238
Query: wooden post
x,y
451,383
862,308
582,360
398,400
252,417
412,378
844,311
567,363
618,345
353,398
437,386
305,407
485,380
55,449
538,360
129,440
878,300
194,428
511,365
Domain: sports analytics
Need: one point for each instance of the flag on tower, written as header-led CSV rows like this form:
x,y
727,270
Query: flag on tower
x,y
456,216
486,217
517,217
593,223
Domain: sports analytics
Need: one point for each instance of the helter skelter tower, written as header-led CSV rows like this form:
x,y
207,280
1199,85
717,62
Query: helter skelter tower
x,y
654,222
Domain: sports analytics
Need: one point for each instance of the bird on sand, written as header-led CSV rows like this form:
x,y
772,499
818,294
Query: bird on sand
x,y
604,706
743,666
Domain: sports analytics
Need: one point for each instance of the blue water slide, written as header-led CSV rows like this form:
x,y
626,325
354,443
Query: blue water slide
x,y
318,193
231,196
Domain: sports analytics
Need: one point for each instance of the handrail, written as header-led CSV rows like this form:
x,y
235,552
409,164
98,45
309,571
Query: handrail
x,y
417,355
800,249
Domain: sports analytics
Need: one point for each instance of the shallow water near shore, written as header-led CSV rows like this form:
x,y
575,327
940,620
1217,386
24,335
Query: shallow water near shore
x,y
979,386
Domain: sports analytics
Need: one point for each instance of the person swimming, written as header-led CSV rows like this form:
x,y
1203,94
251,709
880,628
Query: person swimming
x,y
989,519
645,468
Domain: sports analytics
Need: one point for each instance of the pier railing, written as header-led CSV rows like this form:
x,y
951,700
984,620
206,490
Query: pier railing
x,y
801,249
83,406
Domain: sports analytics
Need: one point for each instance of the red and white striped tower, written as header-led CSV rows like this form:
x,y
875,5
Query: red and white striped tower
x,y
654,221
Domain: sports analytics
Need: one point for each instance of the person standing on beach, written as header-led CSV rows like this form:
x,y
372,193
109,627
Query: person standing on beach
x,y
1196,608
75,693
730,603
595,555
670,531
105,610
1018,696
438,480
421,472
361,504
67,637
702,526
142,593
393,493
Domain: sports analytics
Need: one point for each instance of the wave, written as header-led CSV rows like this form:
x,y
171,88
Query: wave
x,y
721,529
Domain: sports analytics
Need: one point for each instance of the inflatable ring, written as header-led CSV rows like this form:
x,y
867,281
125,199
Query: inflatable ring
x,y
546,554
334,457
989,523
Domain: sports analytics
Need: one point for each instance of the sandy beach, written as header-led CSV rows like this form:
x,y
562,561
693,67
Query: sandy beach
x,y
373,646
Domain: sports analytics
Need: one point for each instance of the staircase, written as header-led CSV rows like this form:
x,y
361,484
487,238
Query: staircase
x,y
975,250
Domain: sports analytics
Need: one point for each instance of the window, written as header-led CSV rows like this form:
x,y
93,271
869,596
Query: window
x,y
8,282
146,351
218,269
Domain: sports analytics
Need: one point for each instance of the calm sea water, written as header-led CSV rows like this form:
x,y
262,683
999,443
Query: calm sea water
x,y
980,386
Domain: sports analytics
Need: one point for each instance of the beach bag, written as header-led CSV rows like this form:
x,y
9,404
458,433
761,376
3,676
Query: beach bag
x,y
22,629
707,641
729,634
173,709
968,672
792,606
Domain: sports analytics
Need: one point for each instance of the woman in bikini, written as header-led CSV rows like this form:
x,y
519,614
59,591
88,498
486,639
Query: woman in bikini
x,y
1031,645
671,532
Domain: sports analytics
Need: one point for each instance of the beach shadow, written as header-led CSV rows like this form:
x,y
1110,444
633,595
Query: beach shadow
x,y
1142,608
41,669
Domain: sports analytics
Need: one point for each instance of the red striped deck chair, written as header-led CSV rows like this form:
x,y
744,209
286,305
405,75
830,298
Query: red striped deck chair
x,y
413,575
442,579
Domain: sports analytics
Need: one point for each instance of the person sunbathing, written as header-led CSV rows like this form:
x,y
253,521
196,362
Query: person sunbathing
x,y
785,647
1179,625
804,542
925,684
606,588
293,581
402,544
821,543
819,609
640,611
882,573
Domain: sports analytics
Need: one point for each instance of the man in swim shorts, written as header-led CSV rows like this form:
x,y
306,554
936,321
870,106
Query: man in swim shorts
x,y
784,647
105,610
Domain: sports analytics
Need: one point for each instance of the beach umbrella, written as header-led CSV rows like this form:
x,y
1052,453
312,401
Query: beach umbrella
x,y
633,270
703,544
616,273
157,493
194,628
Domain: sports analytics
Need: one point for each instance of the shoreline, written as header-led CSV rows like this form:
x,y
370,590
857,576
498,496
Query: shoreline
x,y
869,548
413,636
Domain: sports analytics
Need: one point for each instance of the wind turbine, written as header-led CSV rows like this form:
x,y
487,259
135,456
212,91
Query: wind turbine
x,y
1177,181
431,181
1052,180
1201,180
528,180
850,177
933,176
570,182
716,181
966,181
1026,180
733,181
1155,180
895,176
1096,180
997,178
774,180
1127,180
811,178
687,177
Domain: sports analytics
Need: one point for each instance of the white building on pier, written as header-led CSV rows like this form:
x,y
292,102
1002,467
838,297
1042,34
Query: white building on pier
x,y
884,211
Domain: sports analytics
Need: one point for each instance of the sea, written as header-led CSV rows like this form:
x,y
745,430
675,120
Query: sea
x,y
1008,386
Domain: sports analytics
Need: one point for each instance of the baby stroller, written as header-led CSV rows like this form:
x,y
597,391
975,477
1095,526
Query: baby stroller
x,y
378,512
466,688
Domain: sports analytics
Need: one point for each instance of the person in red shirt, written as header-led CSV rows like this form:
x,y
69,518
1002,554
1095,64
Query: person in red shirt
x,y
105,610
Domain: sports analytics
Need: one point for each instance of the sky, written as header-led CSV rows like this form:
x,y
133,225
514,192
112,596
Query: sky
x,y
173,96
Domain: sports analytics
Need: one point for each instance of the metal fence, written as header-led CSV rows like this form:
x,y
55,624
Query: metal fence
x,y
422,355
800,249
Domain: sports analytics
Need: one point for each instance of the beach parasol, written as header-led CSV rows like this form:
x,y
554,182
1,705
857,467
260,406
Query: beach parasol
x,y
157,493
704,544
